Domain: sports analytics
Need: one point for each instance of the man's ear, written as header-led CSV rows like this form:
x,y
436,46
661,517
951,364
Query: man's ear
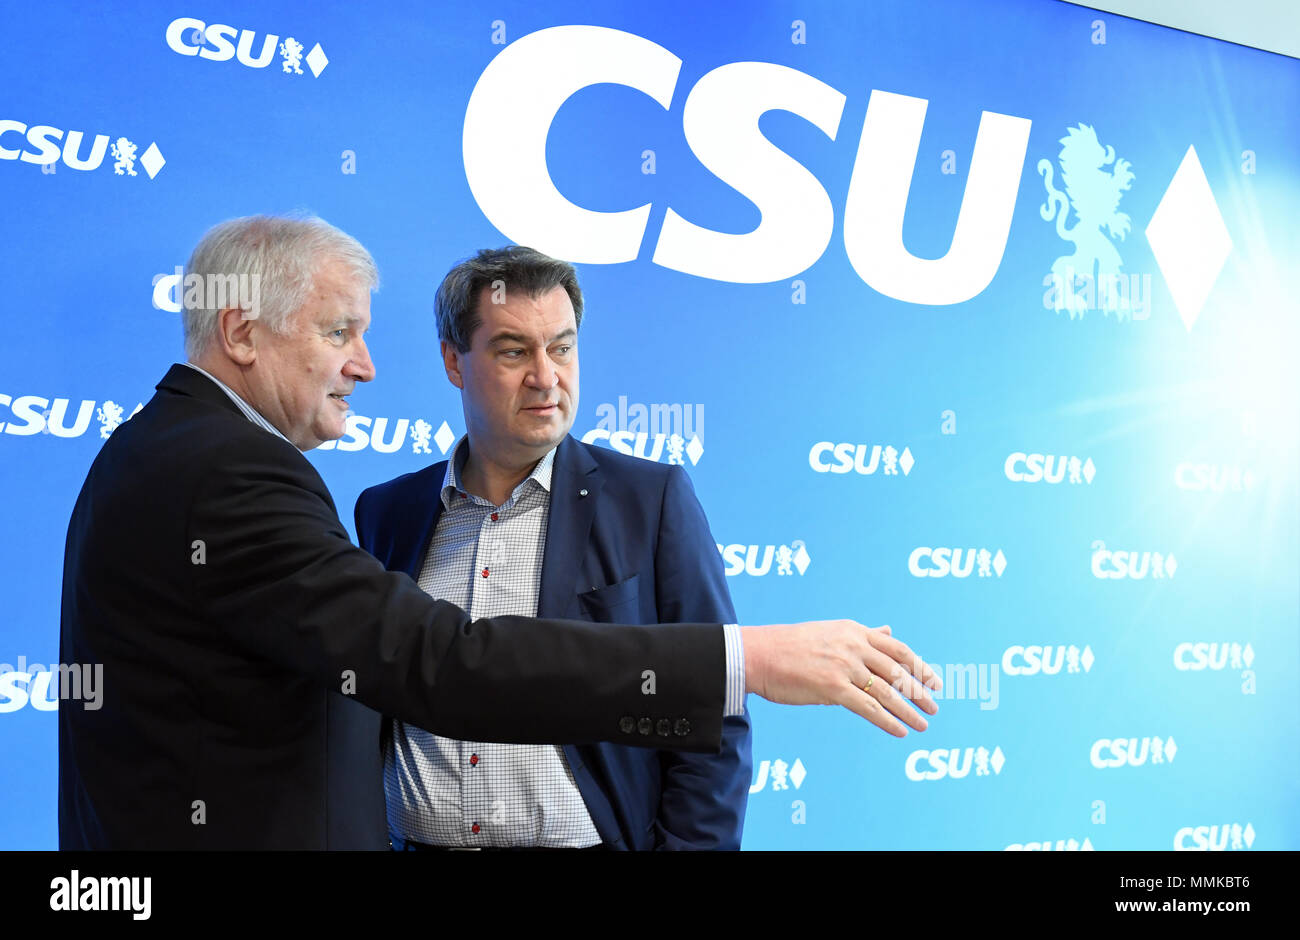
x,y
451,362
235,332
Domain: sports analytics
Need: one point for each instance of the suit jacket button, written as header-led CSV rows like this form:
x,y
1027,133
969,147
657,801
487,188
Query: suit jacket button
x,y
645,726
627,724
682,728
664,728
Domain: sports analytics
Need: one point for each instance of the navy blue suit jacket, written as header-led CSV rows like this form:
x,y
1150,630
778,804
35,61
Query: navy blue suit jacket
x,y
635,549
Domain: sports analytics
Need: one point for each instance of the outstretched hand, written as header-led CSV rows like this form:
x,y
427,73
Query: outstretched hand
x,y
831,662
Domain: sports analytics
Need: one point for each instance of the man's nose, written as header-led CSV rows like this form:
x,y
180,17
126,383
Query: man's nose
x,y
542,374
360,366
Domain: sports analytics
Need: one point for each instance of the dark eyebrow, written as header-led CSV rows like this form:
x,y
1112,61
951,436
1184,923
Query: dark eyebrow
x,y
509,338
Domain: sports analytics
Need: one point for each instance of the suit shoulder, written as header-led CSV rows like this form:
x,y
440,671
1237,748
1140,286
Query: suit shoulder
x,y
199,436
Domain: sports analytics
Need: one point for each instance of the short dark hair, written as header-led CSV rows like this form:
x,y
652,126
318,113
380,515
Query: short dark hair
x,y
514,268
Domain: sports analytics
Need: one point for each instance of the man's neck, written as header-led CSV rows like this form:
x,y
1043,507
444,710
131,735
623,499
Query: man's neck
x,y
491,479
228,373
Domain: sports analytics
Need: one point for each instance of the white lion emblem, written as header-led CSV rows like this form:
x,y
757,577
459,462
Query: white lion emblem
x,y
124,155
1094,194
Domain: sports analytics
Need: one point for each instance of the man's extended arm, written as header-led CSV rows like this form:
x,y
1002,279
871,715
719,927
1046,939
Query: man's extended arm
x,y
283,579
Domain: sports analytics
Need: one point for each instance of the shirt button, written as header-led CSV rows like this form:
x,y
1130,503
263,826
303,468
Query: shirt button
x,y
494,517
473,760
474,829
485,572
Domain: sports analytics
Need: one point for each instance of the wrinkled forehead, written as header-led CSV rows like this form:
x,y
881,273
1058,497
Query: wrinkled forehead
x,y
543,317
338,296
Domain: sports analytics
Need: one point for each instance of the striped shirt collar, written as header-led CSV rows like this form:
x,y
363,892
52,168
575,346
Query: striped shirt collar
x,y
456,469
248,410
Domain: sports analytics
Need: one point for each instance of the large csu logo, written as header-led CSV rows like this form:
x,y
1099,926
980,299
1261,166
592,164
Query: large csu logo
x,y
522,89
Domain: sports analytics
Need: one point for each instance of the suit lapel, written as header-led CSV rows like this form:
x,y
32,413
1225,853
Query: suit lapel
x,y
420,519
570,523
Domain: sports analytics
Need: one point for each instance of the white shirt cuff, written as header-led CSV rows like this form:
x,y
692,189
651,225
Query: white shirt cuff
x,y
734,699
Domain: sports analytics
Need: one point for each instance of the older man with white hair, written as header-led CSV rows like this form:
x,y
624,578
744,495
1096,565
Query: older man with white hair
x,y
244,639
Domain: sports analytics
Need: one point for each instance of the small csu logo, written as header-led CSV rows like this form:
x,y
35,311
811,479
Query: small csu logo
x,y
756,560
1134,565
1214,478
654,431
1194,657
360,433
782,775
1060,845
1033,468
47,145
31,414
954,763
1224,837
1046,660
955,562
863,459
648,446
1117,752
221,43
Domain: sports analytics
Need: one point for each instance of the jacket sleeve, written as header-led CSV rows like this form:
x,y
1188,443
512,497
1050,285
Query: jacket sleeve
x,y
704,795
282,580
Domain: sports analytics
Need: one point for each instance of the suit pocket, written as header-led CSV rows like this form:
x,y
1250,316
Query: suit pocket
x,y
614,603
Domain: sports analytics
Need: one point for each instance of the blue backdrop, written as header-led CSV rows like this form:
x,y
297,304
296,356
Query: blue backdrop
x,y
1030,399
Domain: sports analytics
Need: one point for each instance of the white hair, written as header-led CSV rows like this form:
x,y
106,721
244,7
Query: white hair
x,y
279,255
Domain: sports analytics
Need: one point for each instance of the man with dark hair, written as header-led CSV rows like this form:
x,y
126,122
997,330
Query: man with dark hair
x,y
514,267
244,639
524,520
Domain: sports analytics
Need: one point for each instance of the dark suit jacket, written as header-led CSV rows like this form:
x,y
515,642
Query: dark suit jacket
x,y
635,549
207,570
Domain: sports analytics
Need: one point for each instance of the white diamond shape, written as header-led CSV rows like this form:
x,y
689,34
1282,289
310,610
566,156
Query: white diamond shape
x,y
1248,835
443,437
999,562
1087,846
997,760
797,773
1171,565
1188,238
695,450
1087,659
1089,470
906,461
152,160
1170,750
317,60
1248,655
801,559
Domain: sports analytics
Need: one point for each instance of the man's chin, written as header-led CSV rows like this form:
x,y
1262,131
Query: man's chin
x,y
547,437
330,434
